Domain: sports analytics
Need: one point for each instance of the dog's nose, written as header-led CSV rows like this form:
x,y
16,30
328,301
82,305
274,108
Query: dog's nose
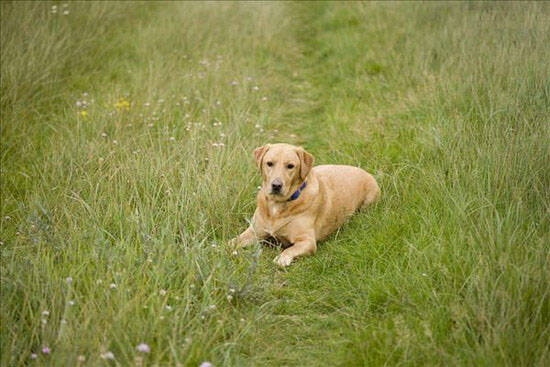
x,y
276,185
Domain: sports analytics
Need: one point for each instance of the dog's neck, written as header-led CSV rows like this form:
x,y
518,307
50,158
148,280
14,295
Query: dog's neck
x,y
275,208
297,193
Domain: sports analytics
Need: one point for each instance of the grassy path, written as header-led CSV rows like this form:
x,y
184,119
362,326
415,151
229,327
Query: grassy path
x,y
127,132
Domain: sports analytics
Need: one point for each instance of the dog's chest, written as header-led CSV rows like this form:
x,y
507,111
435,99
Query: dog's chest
x,y
277,228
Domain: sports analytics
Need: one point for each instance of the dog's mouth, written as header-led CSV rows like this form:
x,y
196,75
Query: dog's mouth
x,y
277,193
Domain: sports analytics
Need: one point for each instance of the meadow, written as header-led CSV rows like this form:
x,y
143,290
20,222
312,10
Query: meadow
x,y
127,131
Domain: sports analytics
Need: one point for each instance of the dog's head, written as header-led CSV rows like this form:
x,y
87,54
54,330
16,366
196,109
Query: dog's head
x,y
283,167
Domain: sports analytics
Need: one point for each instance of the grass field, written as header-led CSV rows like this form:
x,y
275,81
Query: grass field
x,y
127,132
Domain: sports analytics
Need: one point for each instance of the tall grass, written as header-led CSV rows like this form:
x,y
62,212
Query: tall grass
x,y
126,137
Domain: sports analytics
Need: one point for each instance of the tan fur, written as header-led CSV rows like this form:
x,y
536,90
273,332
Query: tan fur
x,y
333,193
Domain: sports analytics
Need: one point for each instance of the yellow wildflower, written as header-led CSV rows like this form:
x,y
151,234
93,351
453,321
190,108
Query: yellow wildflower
x,y
122,105
83,113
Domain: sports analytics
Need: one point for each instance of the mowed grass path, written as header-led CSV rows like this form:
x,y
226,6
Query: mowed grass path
x,y
127,132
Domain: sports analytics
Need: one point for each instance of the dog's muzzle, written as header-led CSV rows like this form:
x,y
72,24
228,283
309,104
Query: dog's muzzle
x,y
276,186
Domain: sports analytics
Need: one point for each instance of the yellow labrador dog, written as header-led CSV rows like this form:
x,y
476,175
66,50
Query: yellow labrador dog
x,y
299,204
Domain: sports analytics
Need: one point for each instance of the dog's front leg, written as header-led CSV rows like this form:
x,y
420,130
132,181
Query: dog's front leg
x,y
244,239
302,247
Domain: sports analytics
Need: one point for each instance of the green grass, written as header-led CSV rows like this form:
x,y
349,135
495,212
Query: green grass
x,y
448,104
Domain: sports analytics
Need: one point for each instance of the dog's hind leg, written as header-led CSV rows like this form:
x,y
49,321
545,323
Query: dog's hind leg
x,y
373,193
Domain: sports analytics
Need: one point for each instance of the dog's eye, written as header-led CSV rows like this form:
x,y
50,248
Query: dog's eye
x,y
290,166
269,164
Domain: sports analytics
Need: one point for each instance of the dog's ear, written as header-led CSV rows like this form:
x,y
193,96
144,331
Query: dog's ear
x,y
259,154
306,162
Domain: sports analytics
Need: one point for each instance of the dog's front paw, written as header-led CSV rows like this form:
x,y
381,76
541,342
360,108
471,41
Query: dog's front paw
x,y
233,243
283,260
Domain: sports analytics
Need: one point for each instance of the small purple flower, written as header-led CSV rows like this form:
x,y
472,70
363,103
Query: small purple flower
x,y
142,347
46,350
206,364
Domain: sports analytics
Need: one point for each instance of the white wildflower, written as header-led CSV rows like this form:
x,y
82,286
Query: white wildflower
x,y
144,348
108,355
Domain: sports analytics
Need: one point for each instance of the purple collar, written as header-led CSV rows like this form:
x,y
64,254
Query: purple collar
x,y
297,193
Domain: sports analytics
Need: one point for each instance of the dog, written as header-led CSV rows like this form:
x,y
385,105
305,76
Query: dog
x,y
299,204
